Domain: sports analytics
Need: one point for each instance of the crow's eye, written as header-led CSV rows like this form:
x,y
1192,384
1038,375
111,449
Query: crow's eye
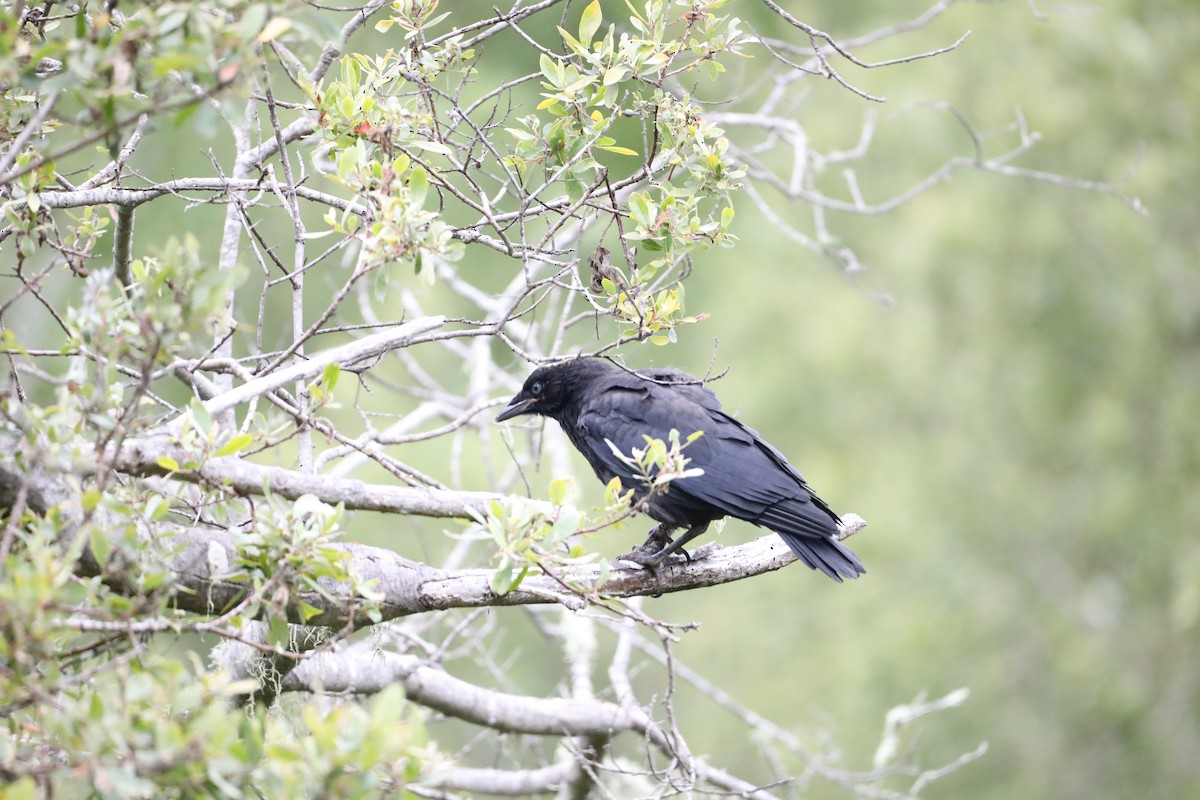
x,y
536,390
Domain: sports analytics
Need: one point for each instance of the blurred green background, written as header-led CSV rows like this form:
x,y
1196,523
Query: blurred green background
x,y
1021,429
1020,426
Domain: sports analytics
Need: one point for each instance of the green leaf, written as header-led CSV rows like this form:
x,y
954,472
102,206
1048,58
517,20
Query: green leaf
x,y
201,417
101,546
558,491
329,377
639,209
612,491
564,526
508,578
624,151
25,788
279,634
614,75
388,707
307,611
91,499
418,185
589,23
581,83
156,507
549,69
520,135
168,463
432,147
572,42
236,444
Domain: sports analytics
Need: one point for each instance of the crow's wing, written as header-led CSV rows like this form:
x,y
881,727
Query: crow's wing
x,y
743,475
629,409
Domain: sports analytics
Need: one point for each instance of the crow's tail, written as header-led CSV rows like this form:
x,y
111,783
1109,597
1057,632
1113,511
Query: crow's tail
x,y
809,529
826,554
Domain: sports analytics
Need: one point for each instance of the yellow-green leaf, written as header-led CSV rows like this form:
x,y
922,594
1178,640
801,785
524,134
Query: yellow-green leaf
x,y
91,499
168,463
307,611
558,491
418,185
101,546
589,23
432,147
548,67
24,789
614,75
275,28
623,151
279,633
329,377
239,442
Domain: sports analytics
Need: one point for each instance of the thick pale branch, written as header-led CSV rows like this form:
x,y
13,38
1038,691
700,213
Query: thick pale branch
x,y
357,669
402,586
508,782
406,587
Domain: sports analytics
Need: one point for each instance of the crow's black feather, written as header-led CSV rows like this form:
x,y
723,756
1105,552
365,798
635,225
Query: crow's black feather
x,y
597,402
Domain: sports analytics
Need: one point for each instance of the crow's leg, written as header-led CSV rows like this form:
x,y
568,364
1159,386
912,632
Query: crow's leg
x,y
664,553
658,546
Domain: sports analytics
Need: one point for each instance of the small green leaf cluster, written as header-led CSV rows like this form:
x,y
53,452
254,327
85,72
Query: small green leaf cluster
x,y
689,140
365,120
647,54
172,300
581,105
417,17
290,552
31,223
529,539
659,462
651,316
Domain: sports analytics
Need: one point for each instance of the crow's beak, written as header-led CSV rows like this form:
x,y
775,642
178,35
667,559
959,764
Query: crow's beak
x,y
515,408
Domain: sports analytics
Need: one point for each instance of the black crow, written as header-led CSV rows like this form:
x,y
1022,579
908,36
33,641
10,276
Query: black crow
x,y
744,477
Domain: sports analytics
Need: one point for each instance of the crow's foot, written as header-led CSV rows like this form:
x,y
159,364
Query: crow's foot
x,y
658,539
650,556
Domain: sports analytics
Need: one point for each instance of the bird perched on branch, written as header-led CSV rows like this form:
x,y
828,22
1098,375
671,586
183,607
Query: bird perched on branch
x,y
597,403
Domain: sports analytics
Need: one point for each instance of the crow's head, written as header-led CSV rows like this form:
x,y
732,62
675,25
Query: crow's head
x,y
550,390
